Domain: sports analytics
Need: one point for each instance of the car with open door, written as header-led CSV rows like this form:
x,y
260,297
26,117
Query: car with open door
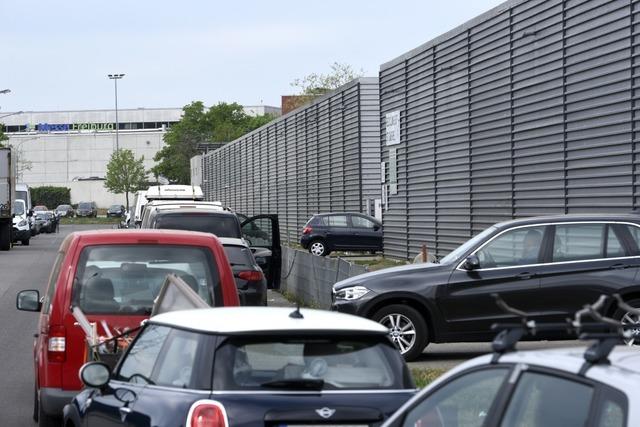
x,y
261,232
114,278
247,366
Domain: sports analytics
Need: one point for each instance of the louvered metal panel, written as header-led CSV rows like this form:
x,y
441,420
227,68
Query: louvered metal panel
x,y
319,158
528,109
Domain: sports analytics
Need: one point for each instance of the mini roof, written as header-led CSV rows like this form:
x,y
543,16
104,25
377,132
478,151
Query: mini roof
x,y
265,320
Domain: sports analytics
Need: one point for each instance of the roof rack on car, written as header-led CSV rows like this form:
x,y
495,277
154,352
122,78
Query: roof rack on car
x,y
606,332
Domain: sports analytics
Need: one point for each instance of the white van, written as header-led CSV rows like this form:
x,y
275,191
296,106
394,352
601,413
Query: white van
x,y
138,206
23,192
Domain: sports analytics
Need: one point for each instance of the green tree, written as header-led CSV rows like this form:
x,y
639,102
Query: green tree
x,y
318,84
221,123
125,173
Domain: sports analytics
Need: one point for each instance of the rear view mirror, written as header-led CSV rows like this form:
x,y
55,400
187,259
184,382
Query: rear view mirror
x,y
28,300
471,263
95,374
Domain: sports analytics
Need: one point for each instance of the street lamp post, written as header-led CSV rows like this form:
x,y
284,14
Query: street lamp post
x,y
115,78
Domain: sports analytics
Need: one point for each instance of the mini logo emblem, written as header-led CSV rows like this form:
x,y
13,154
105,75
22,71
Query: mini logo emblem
x,y
325,412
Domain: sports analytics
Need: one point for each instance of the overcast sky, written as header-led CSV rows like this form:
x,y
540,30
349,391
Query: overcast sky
x,y
55,55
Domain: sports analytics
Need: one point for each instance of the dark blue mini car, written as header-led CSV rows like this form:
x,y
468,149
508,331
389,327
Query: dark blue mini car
x,y
247,366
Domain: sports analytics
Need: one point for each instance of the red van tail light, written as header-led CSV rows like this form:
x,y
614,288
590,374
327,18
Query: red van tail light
x,y
57,344
250,276
207,413
307,230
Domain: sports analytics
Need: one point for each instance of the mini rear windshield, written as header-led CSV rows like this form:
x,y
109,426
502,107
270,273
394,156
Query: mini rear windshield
x,y
114,279
309,362
239,255
219,224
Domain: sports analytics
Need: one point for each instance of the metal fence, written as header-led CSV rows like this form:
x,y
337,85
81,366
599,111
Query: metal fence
x,y
529,109
319,158
309,278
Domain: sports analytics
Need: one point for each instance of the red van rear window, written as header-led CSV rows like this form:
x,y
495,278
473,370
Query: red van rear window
x,y
113,279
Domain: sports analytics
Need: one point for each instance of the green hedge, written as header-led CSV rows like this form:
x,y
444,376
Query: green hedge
x,y
50,196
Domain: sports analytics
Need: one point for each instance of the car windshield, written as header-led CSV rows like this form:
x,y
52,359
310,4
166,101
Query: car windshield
x,y
41,215
84,206
127,278
63,207
222,225
238,255
466,246
303,362
18,208
115,208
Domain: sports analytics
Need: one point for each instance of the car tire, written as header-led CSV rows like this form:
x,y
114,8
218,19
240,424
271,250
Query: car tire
x,y
403,322
44,420
318,247
25,242
627,318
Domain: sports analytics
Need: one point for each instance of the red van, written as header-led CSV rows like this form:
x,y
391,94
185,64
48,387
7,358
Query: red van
x,y
113,276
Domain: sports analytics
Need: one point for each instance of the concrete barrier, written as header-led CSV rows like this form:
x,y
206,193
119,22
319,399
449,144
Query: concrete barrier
x,y
309,278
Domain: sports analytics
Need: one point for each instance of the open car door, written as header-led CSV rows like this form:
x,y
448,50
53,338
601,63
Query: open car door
x,y
262,233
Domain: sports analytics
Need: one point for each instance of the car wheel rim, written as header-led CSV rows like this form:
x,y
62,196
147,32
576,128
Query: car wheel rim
x,y
401,330
634,320
317,248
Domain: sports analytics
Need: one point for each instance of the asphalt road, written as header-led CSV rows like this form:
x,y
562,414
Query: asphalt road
x,y
28,267
23,267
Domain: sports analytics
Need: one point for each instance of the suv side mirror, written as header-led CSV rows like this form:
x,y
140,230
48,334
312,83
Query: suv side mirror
x,y
376,227
471,263
30,213
28,301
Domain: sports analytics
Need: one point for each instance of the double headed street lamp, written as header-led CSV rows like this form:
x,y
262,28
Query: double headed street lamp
x,y
115,78
3,91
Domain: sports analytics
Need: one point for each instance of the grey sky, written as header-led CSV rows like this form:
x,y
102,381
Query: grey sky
x,y
56,54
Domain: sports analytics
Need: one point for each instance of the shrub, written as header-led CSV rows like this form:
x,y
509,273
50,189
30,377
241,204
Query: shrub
x,y
50,196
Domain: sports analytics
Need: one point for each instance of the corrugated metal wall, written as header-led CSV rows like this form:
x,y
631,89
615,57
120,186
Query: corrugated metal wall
x,y
320,158
529,109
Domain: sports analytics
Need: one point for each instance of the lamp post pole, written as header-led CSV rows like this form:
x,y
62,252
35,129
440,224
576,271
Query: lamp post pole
x,y
115,78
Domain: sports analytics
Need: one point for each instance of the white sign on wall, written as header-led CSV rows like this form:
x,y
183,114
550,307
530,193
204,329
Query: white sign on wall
x,y
392,126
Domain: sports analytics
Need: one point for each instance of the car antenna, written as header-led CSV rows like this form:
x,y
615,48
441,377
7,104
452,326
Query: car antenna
x,y
295,314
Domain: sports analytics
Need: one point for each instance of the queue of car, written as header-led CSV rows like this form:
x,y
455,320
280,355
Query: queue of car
x,y
229,365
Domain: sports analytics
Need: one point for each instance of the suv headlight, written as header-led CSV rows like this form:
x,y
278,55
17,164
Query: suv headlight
x,y
351,293
22,223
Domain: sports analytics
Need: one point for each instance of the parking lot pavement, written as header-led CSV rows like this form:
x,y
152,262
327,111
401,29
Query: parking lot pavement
x,y
23,267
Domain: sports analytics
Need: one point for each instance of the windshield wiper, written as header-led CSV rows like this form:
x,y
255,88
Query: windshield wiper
x,y
295,384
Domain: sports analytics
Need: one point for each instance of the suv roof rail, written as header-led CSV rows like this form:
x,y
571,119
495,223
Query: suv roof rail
x,y
606,332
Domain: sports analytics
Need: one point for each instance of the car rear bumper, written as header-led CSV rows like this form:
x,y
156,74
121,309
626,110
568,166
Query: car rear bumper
x,y
305,240
53,400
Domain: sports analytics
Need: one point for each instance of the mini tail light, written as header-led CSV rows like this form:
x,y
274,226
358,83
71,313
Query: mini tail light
x,y
250,276
307,230
207,413
57,344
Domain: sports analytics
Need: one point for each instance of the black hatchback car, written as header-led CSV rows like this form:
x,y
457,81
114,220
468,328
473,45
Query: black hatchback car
x,y
552,266
328,232
116,211
247,366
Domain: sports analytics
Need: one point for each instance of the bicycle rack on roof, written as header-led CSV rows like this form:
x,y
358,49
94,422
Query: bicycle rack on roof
x,y
606,332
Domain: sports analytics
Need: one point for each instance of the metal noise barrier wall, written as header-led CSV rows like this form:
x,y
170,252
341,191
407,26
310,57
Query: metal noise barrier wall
x,y
529,109
309,278
319,158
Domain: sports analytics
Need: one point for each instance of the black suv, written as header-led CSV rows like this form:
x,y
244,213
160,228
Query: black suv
x,y
328,232
552,266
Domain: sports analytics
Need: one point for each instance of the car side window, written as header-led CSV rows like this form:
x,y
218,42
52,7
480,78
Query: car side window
x,y
635,233
53,280
542,400
613,412
176,362
614,248
575,242
465,401
361,222
520,246
338,221
141,357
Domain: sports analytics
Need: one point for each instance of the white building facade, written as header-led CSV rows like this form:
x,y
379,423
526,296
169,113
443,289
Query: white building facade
x,y
72,148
